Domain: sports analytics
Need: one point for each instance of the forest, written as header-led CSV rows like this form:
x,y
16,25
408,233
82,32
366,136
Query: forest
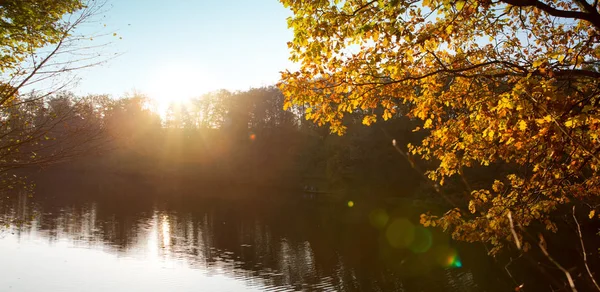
x,y
220,138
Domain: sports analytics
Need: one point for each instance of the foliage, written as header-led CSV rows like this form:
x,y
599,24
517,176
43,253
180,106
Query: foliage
x,y
39,43
511,82
28,25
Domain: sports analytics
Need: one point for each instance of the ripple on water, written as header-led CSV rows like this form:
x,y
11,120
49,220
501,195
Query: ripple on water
x,y
260,254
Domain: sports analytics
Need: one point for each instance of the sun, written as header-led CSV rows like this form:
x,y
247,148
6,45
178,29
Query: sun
x,y
174,83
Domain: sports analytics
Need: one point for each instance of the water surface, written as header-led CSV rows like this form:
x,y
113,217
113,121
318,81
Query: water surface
x,y
217,245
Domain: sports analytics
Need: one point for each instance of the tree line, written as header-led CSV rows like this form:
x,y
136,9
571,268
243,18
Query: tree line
x,y
221,137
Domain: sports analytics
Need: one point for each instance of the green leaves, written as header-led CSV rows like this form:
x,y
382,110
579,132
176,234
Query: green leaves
x,y
33,24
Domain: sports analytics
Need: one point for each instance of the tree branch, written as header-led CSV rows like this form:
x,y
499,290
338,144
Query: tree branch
x,y
542,246
583,251
589,17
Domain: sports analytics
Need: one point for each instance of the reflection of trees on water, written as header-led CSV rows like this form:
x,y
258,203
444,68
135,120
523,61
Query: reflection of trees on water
x,y
295,251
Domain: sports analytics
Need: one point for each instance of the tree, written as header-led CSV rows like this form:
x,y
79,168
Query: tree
x,y
511,82
39,40
40,45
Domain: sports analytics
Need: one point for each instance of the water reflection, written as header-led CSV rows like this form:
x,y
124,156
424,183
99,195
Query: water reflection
x,y
282,249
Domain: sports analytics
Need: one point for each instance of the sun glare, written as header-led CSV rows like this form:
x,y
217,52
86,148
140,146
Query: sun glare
x,y
175,83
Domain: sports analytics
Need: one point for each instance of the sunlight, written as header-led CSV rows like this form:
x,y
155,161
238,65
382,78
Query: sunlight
x,y
166,231
175,83
152,243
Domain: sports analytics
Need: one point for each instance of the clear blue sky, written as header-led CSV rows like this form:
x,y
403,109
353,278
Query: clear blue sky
x,y
190,47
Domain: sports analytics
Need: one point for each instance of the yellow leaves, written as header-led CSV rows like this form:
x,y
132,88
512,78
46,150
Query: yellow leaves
x,y
430,44
505,102
439,134
424,220
592,214
569,124
449,29
386,115
428,220
489,133
544,120
491,111
386,42
522,125
468,139
498,186
368,120
557,56
510,140
581,120
472,207
428,124
551,226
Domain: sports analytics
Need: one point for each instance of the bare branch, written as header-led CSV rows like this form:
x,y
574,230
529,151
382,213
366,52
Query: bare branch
x,y
512,230
585,263
542,245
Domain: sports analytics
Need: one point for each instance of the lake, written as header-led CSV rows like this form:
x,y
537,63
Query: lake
x,y
78,244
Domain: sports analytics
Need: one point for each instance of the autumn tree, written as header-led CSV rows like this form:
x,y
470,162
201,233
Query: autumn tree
x,y
512,82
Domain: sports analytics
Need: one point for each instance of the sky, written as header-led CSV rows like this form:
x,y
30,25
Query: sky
x,y
184,48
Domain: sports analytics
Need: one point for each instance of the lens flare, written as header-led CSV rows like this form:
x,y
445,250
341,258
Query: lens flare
x,y
423,240
447,257
453,260
401,233
350,204
456,263
379,218
252,137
